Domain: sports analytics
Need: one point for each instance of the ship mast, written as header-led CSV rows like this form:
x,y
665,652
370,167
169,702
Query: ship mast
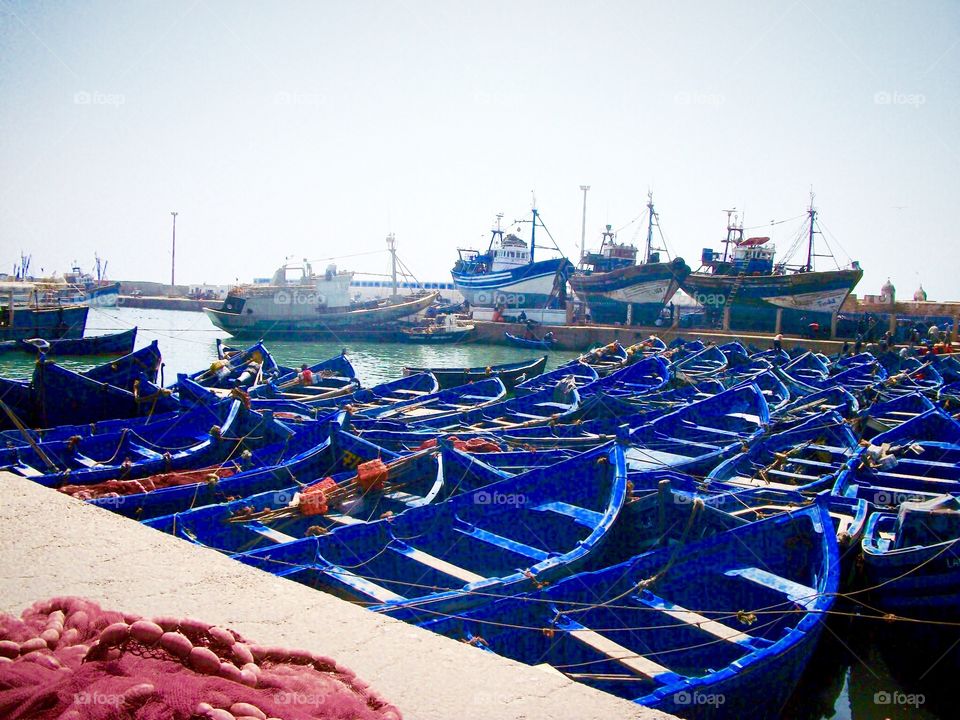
x,y
650,216
732,230
496,233
533,234
813,221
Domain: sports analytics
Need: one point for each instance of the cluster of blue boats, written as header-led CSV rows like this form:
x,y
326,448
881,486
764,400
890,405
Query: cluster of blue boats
x,y
663,523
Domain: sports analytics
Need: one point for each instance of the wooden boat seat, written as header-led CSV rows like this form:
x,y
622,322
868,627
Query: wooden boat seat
x,y
707,428
713,627
268,532
27,470
438,564
85,461
812,463
794,476
362,585
583,516
412,393
625,656
502,542
796,592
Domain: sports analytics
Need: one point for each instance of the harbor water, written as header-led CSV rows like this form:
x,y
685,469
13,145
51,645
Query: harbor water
x,y
861,670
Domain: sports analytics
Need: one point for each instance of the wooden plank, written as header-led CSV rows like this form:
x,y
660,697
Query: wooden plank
x,y
443,566
626,657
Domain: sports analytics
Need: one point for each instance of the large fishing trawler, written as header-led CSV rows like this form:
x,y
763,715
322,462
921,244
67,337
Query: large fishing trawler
x,y
617,289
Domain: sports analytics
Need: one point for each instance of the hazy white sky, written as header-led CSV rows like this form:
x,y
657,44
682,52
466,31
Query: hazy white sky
x,y
316,128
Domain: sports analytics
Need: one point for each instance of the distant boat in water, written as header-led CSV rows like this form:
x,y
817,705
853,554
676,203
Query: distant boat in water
x,y
507,274
746,278
308,306
74,288
617,289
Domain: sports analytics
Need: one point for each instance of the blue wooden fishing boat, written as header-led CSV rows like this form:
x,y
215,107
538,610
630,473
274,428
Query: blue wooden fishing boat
x,y
773,356
440,404
646,376
441,330
693,629
606,359
501,539
917,460
910,559
511,374
58,396
124,371
886,415
804,372
136,454
240,368
696,437
704,363
548,406
912,377
544,343
293,512
604,427
835,399
312,451
581,373
651,346
318,383
774,390
806,458
382,395
120,343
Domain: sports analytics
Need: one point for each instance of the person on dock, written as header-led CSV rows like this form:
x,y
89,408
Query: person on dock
x,y
778,342
845,350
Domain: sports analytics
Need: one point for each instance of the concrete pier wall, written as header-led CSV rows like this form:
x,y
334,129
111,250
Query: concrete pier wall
x,y
51,544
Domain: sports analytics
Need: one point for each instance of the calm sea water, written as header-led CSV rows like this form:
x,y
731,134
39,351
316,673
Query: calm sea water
x,y
861,671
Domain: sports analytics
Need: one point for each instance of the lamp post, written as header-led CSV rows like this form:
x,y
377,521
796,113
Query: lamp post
x,y
583,229
392,247
173,255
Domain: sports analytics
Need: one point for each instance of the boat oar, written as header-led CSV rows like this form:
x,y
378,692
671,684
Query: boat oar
x,y
29,438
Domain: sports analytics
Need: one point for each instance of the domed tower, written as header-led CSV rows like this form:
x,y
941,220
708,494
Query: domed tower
x,y
920,295
888,292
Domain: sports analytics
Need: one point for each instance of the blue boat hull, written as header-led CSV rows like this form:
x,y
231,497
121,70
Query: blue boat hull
x,y
532,286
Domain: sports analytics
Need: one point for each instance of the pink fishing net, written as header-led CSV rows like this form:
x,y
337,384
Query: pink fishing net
x,y
68,659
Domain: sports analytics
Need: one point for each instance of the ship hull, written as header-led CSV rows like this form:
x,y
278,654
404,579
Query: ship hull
x,y
530,286
268,318
68,321
104,296
808,296
636,294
